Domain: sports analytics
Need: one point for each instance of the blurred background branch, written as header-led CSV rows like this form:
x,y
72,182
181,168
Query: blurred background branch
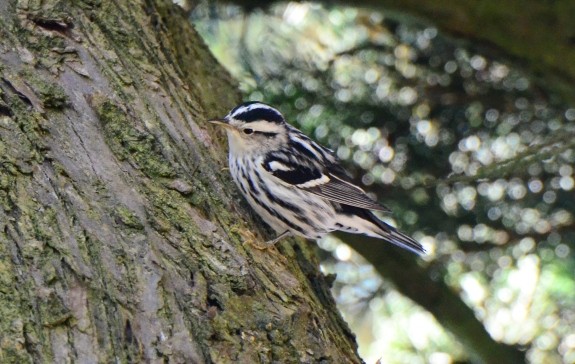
x,y
415,281
538,35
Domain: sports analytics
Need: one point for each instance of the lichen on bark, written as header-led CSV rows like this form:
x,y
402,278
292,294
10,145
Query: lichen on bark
x,y
121,236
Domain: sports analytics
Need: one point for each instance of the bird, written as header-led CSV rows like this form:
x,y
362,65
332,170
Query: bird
x,y
297,186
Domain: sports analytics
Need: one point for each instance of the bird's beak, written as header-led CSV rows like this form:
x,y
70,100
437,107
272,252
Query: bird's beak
x,y
220,122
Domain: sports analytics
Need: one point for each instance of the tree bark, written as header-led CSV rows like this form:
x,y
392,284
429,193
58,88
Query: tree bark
x,y
120,233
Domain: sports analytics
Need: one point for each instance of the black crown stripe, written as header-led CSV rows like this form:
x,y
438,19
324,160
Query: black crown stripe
x,y
256,114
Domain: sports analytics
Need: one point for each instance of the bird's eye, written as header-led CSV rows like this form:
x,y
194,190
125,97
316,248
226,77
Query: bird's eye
x,y
248,131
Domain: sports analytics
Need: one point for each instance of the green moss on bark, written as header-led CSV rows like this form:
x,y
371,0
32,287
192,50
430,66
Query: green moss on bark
x,y
128,218
129,143
51,95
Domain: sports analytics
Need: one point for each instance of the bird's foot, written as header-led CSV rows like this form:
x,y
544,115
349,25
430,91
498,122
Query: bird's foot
x,y
281,236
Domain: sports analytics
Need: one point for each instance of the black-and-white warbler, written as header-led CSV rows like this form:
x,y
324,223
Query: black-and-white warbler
x,y
297,186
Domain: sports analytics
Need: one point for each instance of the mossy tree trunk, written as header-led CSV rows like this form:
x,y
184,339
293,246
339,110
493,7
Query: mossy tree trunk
x,y
120,233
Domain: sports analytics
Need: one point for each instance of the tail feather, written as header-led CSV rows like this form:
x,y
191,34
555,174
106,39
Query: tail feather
x,y
367,223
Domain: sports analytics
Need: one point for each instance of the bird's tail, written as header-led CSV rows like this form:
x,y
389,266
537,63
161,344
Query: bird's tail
x,y
367,223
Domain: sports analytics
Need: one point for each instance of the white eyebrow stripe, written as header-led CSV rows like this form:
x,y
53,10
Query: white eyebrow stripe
x,y
262,125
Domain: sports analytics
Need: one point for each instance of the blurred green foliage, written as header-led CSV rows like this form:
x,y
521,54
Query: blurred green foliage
x,y
473,158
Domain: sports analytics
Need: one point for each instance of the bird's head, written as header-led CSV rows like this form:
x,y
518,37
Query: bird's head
x,y
254,128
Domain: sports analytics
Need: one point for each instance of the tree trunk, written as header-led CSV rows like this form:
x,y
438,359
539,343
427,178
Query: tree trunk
x,y
120,233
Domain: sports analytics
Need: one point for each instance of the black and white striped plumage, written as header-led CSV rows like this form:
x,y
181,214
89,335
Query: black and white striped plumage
x,y
297,186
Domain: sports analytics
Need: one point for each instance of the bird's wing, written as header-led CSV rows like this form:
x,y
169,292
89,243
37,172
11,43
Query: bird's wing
x,y
344,192
321,183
